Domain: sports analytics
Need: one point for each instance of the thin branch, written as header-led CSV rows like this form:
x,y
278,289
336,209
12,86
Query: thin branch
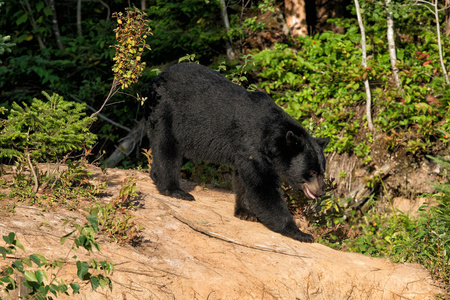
x,y
108,10
33,171
364,63
102,116
114,89
27,8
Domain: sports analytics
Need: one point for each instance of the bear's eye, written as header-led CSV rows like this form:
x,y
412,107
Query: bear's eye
x,y
313,173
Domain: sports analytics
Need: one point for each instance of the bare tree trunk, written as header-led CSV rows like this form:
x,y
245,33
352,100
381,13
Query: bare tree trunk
x,y
438,29
391,43
364,63
143,5
79,28
108,10
56,31
296,17
226,24
447,17
433,7
33,23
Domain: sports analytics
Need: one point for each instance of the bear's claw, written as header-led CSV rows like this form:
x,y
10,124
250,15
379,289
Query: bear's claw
x,y
246,216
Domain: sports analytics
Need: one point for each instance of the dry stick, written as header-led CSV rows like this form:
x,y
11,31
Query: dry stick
x,y
33,171
35,230
216,235
100,115
391,43
364,63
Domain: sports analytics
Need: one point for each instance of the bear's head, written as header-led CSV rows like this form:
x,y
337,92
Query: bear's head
x,y
304,163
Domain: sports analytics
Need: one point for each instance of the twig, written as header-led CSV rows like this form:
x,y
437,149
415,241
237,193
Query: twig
x,y
102,116
35,230
33,171
216,235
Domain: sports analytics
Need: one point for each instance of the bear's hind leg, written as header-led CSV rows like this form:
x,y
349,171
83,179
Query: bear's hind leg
x,y
241,209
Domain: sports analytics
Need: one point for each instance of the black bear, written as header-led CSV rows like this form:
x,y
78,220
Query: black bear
x,y
196,113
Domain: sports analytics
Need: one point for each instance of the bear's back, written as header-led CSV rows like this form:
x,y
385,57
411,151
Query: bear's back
x,y
213,118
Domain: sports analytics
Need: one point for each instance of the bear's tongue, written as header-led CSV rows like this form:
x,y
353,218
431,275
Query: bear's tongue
x,y
308,192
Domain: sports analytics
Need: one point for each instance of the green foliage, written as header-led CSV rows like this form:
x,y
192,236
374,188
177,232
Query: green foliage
x,y
46,130
114,218
5,46
36,279
207,173
190,26
320,82
399,237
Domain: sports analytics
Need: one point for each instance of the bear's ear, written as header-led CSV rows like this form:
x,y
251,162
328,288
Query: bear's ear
x,y
292,140
323,142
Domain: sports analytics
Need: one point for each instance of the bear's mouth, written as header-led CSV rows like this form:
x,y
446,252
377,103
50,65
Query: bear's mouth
x,y
308,192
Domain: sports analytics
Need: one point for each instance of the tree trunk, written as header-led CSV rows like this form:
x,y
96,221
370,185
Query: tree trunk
x,y
226,24
33,23
56,31
108,9
447,17
438,30
79,28
143,5
391,43
296,17
364,63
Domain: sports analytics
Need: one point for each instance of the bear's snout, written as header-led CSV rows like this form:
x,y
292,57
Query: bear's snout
x,y
314,188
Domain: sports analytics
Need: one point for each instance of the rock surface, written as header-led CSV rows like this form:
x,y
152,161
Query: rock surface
x,y
199,250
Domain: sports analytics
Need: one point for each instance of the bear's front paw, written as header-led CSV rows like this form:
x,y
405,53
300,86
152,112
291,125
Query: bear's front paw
x,y
245,215
303,237
291,230
179,194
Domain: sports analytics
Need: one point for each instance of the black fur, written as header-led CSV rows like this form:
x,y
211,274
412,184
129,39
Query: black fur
x,y
196,113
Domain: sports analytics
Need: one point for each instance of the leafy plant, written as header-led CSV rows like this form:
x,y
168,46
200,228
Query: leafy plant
x,y
44,131
399,237
36,278
114,217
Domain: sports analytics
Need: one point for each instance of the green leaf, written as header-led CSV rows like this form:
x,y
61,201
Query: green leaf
x,y
83,268
3,251
9,239
103,281
64,238
94,222
22,19
75,287
47,11
27,261
30,276
40,275
94,282
18,265
9,280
